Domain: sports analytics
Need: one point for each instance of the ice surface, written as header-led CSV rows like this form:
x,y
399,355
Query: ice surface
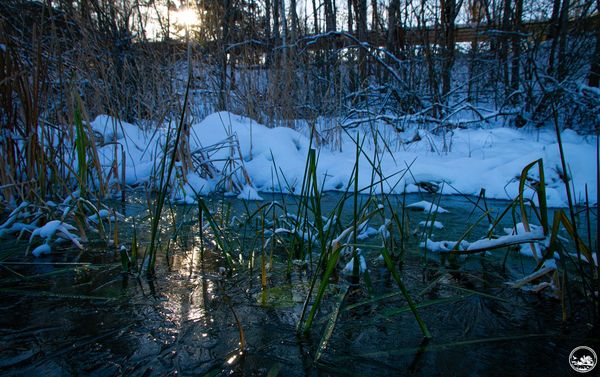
x,y
427,224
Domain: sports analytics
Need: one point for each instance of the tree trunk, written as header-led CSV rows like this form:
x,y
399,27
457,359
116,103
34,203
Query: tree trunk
x,y
360,7
268,33
374,16
276,30
516,46
315,16
393,40
350,28
294,20
503,58
329,16
350,55
563,40
449,13
554,30
476,15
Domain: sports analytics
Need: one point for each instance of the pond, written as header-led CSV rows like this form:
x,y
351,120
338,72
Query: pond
x,y
75,313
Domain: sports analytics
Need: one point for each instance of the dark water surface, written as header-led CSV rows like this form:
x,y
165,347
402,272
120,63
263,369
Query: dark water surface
x,y
87,318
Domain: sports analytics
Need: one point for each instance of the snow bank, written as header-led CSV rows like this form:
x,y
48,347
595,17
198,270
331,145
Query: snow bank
x,y
274,158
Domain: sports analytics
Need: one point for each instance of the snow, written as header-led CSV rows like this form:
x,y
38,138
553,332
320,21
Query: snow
x,y
492,243
249,193
383,229
443,246
366,233
274,159
102,214
14,214
427,207
523,239
50,228
41,250
427,224
16,228
350,265
527,249
188,192
58,228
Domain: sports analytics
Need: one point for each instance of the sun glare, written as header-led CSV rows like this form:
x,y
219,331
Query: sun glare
x,y
187,17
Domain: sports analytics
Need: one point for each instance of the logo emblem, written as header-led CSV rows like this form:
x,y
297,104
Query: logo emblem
x,y
583,359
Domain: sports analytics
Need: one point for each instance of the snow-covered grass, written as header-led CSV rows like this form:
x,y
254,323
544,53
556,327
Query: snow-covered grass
x,y
57,223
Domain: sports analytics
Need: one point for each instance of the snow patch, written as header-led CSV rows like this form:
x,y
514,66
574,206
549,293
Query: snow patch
x,y
427,207
350,265
41,250
249,193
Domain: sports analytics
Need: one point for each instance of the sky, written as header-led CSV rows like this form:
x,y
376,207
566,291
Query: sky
x,y
538,9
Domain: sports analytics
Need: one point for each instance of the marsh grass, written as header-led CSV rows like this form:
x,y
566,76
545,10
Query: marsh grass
x,y
164,184
575,273
310,232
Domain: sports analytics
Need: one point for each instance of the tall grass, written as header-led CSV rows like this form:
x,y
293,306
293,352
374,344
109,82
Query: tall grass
x,y
165,184
333,239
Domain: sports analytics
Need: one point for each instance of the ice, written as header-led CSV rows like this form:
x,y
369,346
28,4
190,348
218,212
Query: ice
x,y
383,229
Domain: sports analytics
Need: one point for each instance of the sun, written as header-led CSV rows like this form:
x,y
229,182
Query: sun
x,y
186,17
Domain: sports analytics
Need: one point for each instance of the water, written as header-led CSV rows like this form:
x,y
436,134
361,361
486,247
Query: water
x,y
90,319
